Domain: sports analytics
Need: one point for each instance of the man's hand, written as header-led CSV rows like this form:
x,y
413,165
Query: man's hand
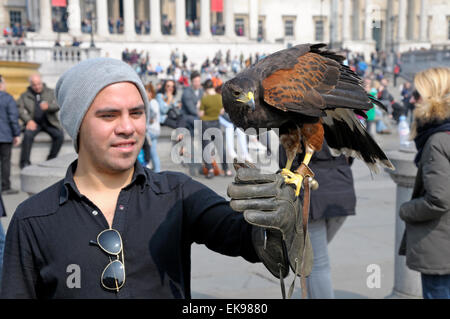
x,y
31,125
16,141
271,205
44,105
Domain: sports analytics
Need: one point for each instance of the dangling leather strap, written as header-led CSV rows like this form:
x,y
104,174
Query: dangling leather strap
x,y
306,203
306,172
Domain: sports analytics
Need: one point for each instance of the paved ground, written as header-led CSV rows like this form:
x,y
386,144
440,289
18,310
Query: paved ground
x,y
365,239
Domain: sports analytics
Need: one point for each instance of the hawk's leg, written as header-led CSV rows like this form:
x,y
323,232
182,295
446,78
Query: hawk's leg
x,y
312,135
297,177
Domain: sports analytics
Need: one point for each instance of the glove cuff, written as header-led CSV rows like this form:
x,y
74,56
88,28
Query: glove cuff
x,y
271,250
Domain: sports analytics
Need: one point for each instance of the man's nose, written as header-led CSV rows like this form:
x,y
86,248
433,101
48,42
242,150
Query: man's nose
x,y
125,126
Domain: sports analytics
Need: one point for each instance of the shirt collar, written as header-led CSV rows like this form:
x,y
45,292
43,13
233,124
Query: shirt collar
x,y
139,178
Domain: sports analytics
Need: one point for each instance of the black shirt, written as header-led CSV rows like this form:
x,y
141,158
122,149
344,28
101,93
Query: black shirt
x,y
158,216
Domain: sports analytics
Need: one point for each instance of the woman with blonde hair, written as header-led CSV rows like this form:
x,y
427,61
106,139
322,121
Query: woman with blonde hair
x,y
426,241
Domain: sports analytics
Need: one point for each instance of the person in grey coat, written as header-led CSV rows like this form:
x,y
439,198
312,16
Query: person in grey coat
x,y
9,136
190,103
190,100
426,241
39,112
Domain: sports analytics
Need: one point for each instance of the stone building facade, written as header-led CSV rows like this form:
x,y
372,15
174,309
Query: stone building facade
x,y
202,27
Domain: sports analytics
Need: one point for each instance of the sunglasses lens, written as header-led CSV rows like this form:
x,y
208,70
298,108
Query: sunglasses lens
x,y
114,275
110,241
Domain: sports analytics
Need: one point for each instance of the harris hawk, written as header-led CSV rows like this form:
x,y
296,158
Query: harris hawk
x,y
307,93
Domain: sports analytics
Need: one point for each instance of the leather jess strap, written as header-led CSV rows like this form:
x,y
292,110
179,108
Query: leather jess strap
x,y
307,174
306,203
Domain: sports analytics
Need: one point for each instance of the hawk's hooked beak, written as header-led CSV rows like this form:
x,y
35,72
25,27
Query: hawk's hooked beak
x,y
248,99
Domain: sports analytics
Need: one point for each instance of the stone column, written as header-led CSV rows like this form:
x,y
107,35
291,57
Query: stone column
x,y
102,17
368,21
401,32
180,19
32,14
334,16
229,19
128,17
253,19
74,20
407,283
45,15
355,20
345,20
205,18
389,35
155,18
423,21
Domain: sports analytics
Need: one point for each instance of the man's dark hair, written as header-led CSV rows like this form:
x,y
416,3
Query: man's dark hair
x,y
416,95
194,74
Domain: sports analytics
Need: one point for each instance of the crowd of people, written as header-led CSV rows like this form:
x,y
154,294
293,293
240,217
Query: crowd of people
x,y
376,75
182,94
379,81
198,98
15,35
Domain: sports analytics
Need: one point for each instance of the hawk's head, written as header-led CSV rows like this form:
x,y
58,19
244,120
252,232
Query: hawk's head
x,y
239,92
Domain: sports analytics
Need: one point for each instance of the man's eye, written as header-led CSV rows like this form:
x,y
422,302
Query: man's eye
x,y
107,116
137,113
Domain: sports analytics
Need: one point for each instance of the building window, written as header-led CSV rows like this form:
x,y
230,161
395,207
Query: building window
x,y
448,28
289,24
239,26
15,17
319,30
261,29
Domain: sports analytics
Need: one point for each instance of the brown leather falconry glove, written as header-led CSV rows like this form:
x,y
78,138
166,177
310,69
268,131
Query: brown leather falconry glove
x,y
271,205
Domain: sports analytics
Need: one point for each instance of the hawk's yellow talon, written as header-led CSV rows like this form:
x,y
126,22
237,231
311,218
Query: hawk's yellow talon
x,y
292,178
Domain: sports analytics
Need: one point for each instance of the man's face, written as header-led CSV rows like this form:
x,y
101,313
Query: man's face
x,y
113,130
36,83
196,83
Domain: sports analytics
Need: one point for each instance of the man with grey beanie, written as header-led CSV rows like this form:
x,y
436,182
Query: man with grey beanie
x,y
114,229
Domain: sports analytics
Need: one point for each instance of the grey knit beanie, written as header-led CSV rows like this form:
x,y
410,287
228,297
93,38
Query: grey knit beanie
x,y
77,88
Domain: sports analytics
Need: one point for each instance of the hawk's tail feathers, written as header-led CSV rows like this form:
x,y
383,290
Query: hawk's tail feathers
x,y
345,134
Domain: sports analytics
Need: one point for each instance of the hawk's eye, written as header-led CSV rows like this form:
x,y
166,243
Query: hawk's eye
x,y
236,93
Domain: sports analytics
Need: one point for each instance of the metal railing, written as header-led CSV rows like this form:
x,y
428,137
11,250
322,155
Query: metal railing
x,y
46,54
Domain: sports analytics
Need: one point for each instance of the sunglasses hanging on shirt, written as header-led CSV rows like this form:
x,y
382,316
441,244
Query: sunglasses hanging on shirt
x,y
113,276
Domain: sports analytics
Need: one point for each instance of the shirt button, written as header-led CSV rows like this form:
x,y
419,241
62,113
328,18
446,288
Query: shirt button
x,y
94,212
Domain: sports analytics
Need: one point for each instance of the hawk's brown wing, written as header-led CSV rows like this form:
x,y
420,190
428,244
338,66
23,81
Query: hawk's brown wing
x,y
290,89
315,82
